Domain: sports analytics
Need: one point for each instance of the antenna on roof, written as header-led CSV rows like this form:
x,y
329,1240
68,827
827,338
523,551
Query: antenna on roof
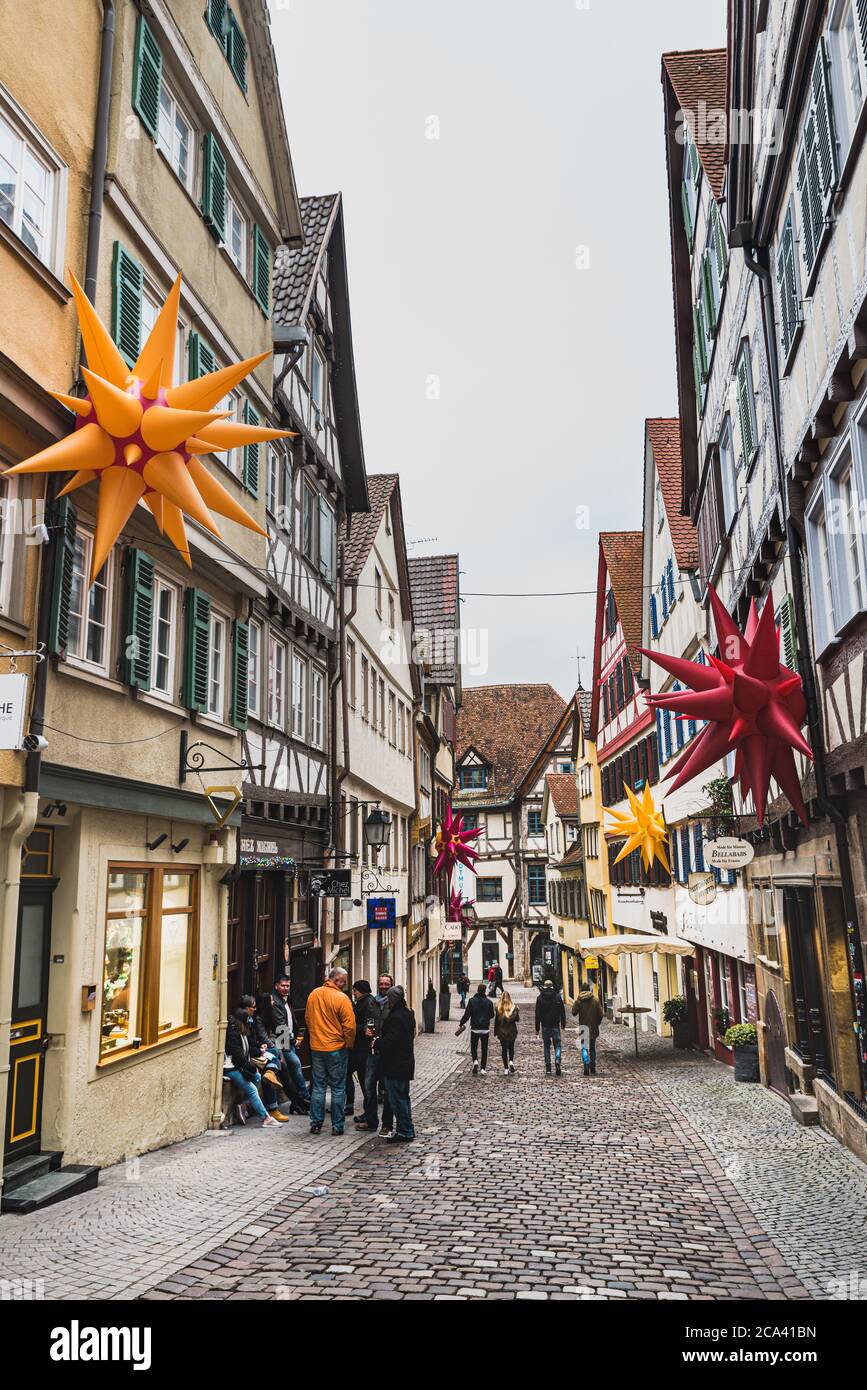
x,y
579,657
422,540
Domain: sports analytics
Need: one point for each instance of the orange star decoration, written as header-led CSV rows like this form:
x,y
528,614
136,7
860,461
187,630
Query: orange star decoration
x,y
645,828
140,436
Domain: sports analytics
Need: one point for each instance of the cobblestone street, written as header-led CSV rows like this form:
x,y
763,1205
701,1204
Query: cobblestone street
x,y
660,1178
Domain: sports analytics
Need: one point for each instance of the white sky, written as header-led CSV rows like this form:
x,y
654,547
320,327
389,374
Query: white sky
x,y
462,266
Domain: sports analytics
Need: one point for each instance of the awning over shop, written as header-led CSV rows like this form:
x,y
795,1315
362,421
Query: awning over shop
x,y
635,945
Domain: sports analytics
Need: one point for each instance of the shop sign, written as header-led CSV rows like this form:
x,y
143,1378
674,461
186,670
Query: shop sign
x,y
451,931
331,883
381,912
260,853
729,852
591,962
13,702
702,889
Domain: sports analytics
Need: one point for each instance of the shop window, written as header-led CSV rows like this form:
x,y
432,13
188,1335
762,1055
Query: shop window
x,y
151,956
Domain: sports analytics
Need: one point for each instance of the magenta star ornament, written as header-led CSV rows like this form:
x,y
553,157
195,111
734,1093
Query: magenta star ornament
x,y
452,844
752,703
457,905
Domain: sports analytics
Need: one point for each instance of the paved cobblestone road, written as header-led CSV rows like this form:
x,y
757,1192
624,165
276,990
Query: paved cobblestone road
x,y
657,1179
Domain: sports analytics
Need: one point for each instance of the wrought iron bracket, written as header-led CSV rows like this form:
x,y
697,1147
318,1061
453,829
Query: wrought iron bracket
x,y
192,759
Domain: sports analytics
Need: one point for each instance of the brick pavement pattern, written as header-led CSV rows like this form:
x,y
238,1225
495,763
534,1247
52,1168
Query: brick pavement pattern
x,y
657,1179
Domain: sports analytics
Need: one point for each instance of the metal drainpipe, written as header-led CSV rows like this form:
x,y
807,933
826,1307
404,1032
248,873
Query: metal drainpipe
x,y
91,264
807,662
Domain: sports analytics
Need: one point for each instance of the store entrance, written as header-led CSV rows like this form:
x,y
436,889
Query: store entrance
x,y
28,1039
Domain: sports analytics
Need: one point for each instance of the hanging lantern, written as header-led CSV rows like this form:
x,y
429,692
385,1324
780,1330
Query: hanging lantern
x,y
752,703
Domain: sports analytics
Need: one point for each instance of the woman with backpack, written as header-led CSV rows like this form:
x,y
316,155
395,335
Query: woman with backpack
x,y
506,1029
478,1014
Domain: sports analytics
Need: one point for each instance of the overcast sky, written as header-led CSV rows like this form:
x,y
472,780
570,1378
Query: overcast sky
x,y
504,377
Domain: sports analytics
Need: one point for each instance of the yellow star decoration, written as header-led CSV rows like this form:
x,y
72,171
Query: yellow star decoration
x,y
645,828
140,436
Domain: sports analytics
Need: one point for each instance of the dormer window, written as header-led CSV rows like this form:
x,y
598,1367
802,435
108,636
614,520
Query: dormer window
x,y
473,777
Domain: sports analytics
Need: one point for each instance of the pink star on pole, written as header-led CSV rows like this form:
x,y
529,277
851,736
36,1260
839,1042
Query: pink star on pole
x,y
752,703
452,844
457,905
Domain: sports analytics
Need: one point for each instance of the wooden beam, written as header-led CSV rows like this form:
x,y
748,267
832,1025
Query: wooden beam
x,y
823,427
840,388
856,343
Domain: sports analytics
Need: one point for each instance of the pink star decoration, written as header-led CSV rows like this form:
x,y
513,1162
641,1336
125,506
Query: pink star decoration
x,y
452,844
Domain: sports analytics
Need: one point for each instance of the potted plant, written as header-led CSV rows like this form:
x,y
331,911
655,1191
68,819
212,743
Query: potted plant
x,y
742,1037
429,1008
445,997
676,1015
722,1019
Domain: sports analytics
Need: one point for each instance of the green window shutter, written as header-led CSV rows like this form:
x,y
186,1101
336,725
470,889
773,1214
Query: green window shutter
x,y
214,187
720,245
698,365
788,633
197,650
825,136
787,285
200,359
261,270
216,17
147,77
707,295
687,216
240,672
236,51
803,184
250,474
138,619
745,407
700,336
126,286
696,164
64,527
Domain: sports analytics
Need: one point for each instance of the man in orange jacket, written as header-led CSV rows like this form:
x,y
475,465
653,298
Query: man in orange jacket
x,y
330,1021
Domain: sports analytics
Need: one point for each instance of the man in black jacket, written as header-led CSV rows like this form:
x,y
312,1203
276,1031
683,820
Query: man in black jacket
x,y
550,1017
276,1012
367,1017
395,1049
478,1013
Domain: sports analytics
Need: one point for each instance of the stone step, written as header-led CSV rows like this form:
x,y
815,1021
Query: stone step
x,y
29,1166
805,1109
48,1188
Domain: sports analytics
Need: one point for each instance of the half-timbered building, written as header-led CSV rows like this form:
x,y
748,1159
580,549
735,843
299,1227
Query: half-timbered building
x,y
309,484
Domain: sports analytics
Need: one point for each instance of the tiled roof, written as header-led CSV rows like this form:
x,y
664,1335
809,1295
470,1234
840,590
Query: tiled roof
x,y
624,556
295,267
365,525
433,582
585,704
509,725
574,857
700,75
563,790
664,436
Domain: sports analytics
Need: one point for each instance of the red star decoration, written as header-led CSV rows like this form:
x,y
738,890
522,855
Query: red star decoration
x,y
457,905
452,843
752,703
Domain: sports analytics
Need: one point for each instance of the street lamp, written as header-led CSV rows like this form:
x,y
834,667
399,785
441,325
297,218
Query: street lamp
x,y
377,828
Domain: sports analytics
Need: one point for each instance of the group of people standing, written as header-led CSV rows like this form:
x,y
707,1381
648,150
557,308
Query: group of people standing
x,y
369,1039
550,1020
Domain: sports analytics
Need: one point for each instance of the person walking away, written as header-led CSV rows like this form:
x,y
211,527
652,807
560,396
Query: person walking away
x,y
395,1048
478,1014
331,1030
506,1029
550,1018
239,1067
279,1021
588,1012
498,979
463,988
366,1019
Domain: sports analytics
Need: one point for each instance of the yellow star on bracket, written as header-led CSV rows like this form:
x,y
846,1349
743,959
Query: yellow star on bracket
x,y
645,829
140,436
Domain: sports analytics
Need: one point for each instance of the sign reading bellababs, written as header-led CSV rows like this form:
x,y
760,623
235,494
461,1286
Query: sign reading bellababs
x,y
13,700
729,852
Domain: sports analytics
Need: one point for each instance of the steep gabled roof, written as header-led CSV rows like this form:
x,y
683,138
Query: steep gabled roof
x,y
509,725
699,76
664,436
362,533
584,699
436,608
295,267
563,790
621,556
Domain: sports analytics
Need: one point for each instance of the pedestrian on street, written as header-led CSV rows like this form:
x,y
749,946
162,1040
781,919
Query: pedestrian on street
x,y
265,1058
498,979
331,1029
384,984
550,1018
478,1014
238,1064
279,1021
506,1029
366,1018
395,1048
588,1012
492,980
463,988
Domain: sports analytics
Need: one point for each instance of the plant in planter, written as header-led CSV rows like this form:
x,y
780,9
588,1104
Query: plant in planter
x,y
721,816
742,1037
722,1019
429,1008
676,1014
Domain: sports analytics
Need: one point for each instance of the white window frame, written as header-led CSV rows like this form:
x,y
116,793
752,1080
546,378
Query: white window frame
x,y
299,697
350,672
317,360
273,469
834,602
276,697
728,473
10,514
254,671
163,586
236,207
31,138
846,110
169,147
424,782
217,668
377,591
107,576
317,707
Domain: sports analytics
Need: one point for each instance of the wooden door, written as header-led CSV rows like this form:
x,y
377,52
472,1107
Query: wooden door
x,y
28,1040
775,1046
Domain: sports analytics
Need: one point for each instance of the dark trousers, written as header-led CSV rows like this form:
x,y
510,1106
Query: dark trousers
x,y
508,1051
475,1040
592,1050
364,1072
399,1102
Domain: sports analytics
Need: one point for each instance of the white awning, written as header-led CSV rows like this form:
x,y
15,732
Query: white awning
x,y
633,945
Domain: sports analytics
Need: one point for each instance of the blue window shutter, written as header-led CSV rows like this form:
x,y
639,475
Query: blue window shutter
x,y
670,572
675,858
663,590
684,851
698,846
659,732
654,625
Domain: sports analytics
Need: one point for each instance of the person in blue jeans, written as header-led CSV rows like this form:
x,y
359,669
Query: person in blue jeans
x,y
395,1048
239,1067
550,1018
280,1023
330,1021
